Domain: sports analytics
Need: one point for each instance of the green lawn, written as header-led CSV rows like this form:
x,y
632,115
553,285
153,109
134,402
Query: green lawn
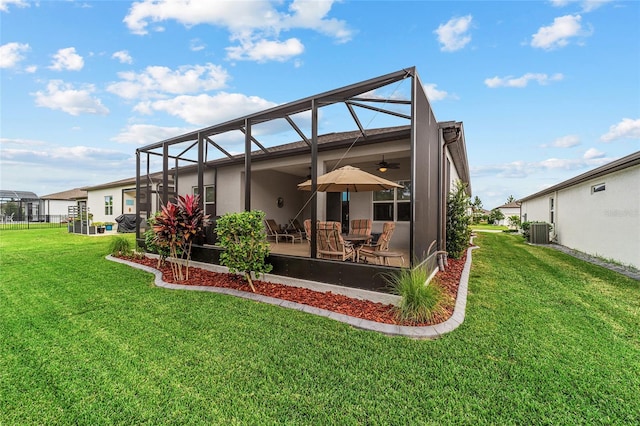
x,y
547,339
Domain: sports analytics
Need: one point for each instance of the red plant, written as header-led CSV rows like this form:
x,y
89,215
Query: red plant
x,y
176,226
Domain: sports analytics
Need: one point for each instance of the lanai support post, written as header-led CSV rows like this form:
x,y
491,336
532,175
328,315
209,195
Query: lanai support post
x,y
247,165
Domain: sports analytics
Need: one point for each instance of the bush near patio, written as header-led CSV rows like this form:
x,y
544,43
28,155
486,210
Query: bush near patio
x,y
458,221
244,239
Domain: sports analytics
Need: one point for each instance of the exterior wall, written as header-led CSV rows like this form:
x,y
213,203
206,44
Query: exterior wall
x,y
95,203
605,223
507,212
57,207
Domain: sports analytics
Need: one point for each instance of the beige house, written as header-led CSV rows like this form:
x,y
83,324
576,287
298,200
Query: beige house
x,y
597,212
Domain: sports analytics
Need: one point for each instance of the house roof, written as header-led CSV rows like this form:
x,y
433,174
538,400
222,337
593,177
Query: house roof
x,y
72,194
8,194
614,166
511,205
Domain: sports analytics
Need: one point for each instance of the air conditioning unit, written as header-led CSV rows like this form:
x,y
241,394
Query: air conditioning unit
x,y
539,233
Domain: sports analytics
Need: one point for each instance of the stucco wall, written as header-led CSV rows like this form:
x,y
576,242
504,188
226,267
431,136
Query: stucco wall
x,y
95,203
57,207
605,223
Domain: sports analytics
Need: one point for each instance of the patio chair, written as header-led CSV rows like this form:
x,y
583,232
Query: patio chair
x,y
307,229
361,227
378,251
330,243
273,231
296,229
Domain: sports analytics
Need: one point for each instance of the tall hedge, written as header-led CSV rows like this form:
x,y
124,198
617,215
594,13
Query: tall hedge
x,y
244,239
458,221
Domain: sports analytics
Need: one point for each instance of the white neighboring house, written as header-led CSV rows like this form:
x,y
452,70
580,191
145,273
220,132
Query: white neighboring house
x,y
597,212
110,200
58,204
508,210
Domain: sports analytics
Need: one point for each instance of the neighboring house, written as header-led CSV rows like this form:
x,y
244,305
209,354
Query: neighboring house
x,y
597,212
58,204
109,200
423,155
508,210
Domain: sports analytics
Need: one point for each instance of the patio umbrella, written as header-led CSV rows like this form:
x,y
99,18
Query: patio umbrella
x,y
349,179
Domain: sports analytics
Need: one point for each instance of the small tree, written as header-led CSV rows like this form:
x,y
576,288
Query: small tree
x,y
176,226
153,244
244,239
514,221
476,207
495,216
458,220
510,199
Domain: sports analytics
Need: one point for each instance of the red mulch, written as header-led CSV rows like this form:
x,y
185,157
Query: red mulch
x,y
372,311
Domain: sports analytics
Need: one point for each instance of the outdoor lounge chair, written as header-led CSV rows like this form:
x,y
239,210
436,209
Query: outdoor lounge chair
x,y
273,231
380,250
361,227
330,243
307,230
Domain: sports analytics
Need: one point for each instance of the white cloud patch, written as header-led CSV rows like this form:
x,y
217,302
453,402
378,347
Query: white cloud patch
x,y
433,93
256,24
31,69
44,153
265,50
196,45
123,56
4,4
205,109
144,134
454,34
523,81
65,97
566,141
557,35
592,154
586,5
628,128
12,53
67,59
157,81
522,169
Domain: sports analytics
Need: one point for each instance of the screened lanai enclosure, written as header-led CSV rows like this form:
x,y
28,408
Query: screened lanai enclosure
x,y
384,126
19,206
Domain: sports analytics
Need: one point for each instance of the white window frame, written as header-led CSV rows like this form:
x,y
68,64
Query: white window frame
x,y
395,202
108,205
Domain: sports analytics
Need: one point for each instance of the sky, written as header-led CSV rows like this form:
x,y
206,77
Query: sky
x,y
546,90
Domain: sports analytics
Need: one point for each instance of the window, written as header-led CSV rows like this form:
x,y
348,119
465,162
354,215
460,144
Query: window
x,y
598,188
393,204
551,211
108,205
209,198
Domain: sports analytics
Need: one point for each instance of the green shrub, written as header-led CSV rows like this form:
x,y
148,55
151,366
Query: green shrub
x,y
244,239
153,245
120,246
420,301
458,221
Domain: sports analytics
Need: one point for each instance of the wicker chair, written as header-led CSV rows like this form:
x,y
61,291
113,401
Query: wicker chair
x,y
361,227
330,243
382,245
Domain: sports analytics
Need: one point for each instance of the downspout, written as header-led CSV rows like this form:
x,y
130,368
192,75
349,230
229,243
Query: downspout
x,y
441,253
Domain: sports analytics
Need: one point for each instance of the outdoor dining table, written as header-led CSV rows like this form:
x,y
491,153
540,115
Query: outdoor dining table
x,y
356,239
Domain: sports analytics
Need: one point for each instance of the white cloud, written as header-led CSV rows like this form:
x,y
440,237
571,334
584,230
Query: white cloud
x,y
67,59
156,81
65,97
523,81
587,5
454,34
4,4
592,154
566,141
47,153
265,50
434,94
11,54
31,69
196,45
626,129
521,169
257,24
123,56
207,110
144,134
558,34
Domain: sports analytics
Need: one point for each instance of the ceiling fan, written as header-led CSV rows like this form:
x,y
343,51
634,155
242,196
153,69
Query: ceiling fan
x,y
383,166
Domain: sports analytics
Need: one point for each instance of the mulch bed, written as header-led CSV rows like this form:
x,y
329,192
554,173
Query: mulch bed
x,y
372,311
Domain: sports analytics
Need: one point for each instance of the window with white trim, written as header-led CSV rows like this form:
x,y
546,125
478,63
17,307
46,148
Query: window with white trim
x,y
108,205
209,198
393,205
